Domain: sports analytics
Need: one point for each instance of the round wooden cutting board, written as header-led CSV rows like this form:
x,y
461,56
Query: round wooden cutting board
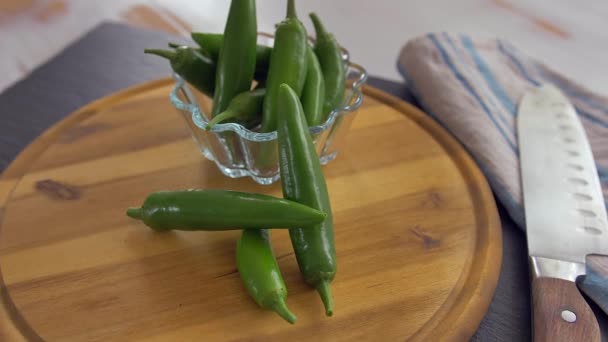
x,y
416,228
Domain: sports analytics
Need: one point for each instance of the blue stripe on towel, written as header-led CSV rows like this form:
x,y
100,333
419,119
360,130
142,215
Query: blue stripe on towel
x,y
469,88
527,76
591,118
517,63
505,197
462,59
447,37
568,89
493,84
602,173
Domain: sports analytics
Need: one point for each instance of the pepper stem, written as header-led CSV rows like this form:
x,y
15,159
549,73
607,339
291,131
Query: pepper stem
x,y
291,9
174,45
227,114
280,308
136,213
325,293
319,27
170,55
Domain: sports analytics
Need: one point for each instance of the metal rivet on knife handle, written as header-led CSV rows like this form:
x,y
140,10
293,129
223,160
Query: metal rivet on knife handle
x,y
561,314
568,316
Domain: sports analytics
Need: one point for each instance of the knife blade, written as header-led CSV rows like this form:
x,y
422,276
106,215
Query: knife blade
x,y
565,213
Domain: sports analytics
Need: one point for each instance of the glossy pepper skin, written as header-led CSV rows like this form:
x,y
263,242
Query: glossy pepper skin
x,y
212,42
303,181
313,94
236,61
329,54
288,64
259,75
194,66
245,108
260,273
221,210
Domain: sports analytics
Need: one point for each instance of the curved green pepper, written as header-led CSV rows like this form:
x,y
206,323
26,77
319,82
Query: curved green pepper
x,y
245,108
221,210
260,273
236,61
303,181
194,66
329,53
313,94
212,42
287,64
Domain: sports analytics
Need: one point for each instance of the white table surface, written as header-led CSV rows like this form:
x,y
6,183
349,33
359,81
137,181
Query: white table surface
x,y
570,36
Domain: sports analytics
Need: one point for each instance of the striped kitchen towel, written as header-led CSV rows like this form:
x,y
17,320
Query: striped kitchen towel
x,y
472,87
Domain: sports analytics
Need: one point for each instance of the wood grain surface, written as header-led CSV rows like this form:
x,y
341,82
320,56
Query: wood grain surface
x,y
554,302
417,234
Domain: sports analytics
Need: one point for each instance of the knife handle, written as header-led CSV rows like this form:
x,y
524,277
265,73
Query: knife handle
x,y
561,313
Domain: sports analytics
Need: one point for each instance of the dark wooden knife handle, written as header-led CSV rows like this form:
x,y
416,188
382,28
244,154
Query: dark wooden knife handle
x,y
554,302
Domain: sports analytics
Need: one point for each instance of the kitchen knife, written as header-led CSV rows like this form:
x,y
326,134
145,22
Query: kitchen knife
x,y
565,214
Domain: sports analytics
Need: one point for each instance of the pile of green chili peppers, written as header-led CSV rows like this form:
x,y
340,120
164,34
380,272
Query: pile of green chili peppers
x,y
286,88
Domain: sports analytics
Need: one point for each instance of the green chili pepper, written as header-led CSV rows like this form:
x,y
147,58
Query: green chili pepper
x,y
303,181
236,61
287,64
211,43
195,67
221,210
246,108
313,94
259,75
329,53
260,273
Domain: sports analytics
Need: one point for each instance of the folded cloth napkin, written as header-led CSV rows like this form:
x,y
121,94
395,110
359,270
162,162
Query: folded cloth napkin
x,y
472,87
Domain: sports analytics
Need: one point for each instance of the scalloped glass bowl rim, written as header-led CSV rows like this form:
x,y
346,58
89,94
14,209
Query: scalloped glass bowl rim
x,y
201,122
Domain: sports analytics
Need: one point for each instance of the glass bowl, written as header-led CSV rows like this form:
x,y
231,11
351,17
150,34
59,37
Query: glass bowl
x,y
240,152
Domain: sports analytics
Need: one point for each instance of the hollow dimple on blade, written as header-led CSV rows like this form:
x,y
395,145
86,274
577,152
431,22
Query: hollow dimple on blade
x,y
563,201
